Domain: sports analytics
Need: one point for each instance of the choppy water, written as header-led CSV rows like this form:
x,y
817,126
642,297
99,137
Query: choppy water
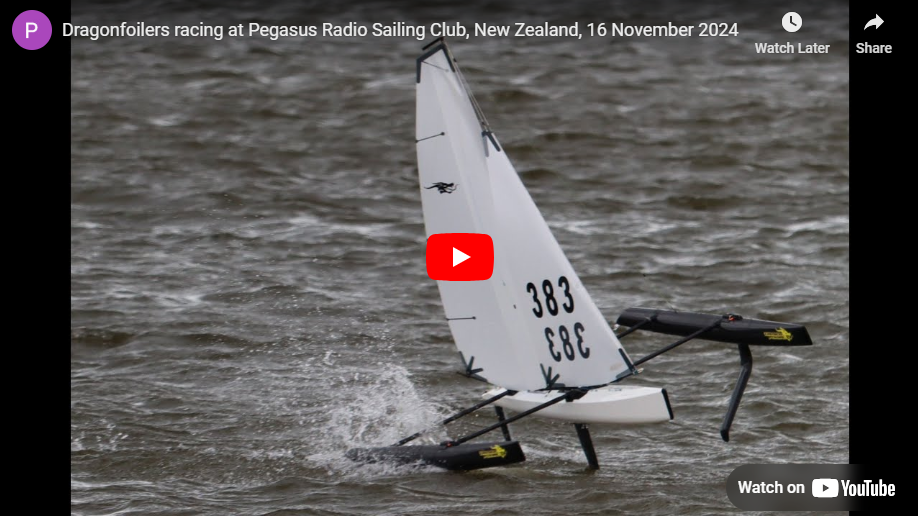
x,y
248,293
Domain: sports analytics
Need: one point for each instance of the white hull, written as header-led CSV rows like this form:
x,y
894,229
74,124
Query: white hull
x,y
610,404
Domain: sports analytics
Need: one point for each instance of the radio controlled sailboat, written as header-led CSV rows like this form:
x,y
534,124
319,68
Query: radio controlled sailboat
x,y
532,329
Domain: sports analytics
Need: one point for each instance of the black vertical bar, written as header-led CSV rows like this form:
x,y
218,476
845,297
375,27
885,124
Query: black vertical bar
x,y
503,428
586,442
745,372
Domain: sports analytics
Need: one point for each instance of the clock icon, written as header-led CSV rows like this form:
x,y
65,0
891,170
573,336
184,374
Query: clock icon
x,y
792,22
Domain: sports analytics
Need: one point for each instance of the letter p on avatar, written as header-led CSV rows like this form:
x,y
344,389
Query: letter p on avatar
x,y
32,30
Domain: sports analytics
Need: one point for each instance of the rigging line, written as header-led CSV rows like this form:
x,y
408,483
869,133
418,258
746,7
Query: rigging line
x,y
435,66
429,137
468,90
472,318
481,118
679,342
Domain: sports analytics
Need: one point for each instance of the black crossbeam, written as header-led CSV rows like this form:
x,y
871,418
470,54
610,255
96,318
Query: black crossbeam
x,y
678,343
457,415
635,328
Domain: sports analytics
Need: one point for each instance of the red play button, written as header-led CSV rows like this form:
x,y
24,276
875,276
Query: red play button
x,y
460,256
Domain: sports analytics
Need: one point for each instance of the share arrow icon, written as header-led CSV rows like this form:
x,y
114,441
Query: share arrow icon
x,y
876,22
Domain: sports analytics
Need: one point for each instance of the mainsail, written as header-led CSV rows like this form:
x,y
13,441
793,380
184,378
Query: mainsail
x,y
532,325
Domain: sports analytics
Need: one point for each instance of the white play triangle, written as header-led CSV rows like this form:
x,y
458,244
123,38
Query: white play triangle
x,y
459,257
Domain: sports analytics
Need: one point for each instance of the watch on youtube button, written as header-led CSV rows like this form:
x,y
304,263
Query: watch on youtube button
x,y
460,257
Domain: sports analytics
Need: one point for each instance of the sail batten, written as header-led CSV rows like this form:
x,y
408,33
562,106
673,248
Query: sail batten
x,y
533,315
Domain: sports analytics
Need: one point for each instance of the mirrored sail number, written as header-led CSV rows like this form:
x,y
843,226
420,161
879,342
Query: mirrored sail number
x,y
567,347
548,292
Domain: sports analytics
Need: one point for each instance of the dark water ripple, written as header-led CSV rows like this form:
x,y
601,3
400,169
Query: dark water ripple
x,y
248,295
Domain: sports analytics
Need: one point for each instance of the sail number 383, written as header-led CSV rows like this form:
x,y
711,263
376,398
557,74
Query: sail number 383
x,y
548,290
569,345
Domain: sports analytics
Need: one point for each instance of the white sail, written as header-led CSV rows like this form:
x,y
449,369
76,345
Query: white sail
x,y
532,325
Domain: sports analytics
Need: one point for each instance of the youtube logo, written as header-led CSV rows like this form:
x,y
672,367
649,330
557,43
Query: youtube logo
x,y
825,487
460,256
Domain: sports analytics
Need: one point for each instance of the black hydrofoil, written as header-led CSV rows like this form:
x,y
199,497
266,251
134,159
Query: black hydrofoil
x,y
447,455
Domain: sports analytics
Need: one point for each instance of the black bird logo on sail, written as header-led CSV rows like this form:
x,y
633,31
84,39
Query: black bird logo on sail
x,y
446,188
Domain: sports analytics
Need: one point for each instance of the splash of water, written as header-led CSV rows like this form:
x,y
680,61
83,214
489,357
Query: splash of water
x,y
377,410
